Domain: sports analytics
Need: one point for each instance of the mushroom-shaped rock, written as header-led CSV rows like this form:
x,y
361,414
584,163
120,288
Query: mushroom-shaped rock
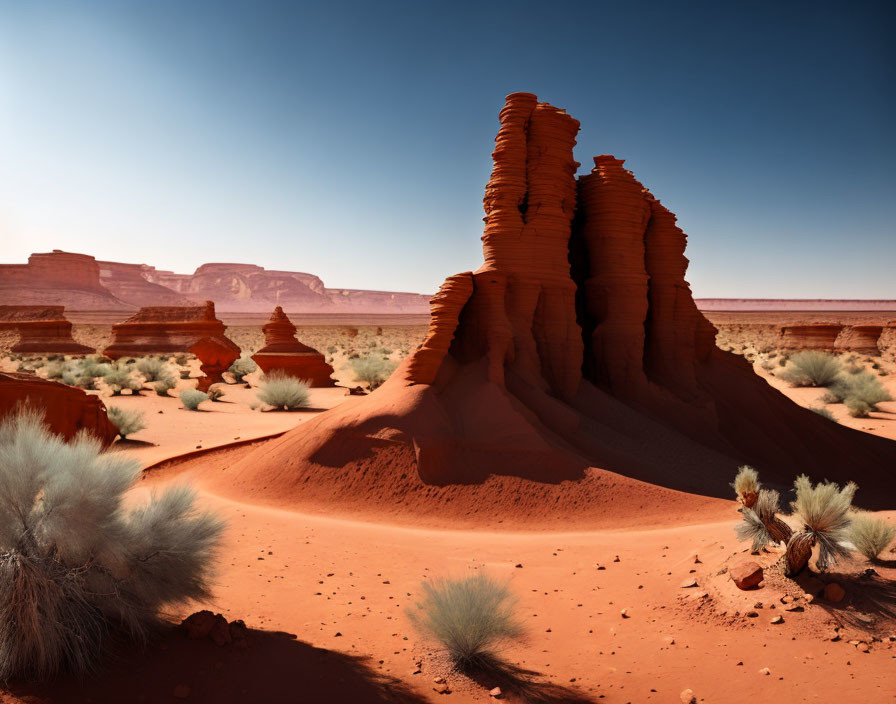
x,y
41,329
283,353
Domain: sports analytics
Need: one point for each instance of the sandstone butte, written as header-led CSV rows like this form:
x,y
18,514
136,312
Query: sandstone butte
x,y
173,329
282,352
860,338
41,330
817,336
67,410
571,374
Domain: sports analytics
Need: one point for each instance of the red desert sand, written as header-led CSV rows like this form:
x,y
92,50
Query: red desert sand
x,y
572,433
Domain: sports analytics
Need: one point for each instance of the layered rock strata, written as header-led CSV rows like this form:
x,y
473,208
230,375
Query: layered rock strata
x,y
574,355
862,339
820,336
283,353
41,330
174,329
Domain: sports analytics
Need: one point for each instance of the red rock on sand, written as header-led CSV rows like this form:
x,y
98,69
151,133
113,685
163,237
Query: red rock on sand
x,y
861,339
173,329
819,336
67,409
41,329
746,575
282,352
573,356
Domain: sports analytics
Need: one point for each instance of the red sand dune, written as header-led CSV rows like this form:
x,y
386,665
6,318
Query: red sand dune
x,y
531,375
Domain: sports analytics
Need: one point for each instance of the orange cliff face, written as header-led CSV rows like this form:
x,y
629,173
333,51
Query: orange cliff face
x,y
283,353
575,355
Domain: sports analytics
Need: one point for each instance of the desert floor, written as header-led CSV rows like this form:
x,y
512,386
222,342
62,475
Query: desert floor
x,y
612,615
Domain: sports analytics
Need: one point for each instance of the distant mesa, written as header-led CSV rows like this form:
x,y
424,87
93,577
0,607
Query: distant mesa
x,y
41,330
81,283
67,410
571,374
283,353
175,329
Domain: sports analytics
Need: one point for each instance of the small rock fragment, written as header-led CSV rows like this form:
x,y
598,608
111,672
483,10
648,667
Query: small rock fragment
x,y
746,575
687,697
765,671
834,592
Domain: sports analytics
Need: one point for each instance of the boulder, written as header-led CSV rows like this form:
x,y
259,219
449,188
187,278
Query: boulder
x,y
67,410
834,592
283,353
746,575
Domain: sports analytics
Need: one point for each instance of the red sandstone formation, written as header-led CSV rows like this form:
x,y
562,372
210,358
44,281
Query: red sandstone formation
x,y
67,410
130,283
860,338
172,329
284,353
820,336
41,329
574,353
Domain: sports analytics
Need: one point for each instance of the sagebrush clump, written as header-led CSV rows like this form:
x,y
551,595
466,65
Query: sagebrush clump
x,y
870,535
372,370
191,398
241,367
284,392
811,368
127,422
77,568
469,617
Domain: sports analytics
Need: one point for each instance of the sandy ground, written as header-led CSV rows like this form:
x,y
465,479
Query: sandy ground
x,y
325,599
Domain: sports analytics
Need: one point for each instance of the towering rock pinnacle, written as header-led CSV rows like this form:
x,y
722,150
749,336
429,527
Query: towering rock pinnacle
x,y
575,352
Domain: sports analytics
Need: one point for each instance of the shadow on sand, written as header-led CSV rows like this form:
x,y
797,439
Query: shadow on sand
x,y
520,684
275,668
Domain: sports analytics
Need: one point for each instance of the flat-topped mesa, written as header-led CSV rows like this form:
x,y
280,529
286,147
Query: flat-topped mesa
x,y
818,336
574,355
175,329
862,339
41,329
67,410
284,353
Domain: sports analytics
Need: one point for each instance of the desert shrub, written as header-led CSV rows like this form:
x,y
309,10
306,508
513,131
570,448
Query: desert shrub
x,y
869,534
857,408
127,422
77,569
468,616
767,365
241,367
761,524
282,391
215,391
867,388
372,370
853,369
185,373
191,398
119,377
92,367
163,386
182,359
153,368
746,484
812,368
823,412
824,510
54,370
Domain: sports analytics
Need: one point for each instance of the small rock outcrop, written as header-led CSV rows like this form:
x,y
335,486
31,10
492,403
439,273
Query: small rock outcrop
x,y
282,352
746,575
819,336
862,339
67,410
41,329
174,329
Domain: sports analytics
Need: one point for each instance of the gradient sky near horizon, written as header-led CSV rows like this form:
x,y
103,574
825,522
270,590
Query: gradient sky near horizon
x,y
353,140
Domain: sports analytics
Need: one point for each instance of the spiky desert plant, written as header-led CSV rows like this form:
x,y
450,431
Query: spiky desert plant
x,y
811,368
761,524
284,392
469,617
78,570
215,392
372,370
164,385
127,422
241,367
746,485
191,398
824,510
869,534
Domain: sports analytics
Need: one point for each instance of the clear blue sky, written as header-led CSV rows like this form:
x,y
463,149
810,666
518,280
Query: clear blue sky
x,y
353,139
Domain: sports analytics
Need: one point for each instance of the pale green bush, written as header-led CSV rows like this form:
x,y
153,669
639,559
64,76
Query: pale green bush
x,y
127,422
284,392
191,398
